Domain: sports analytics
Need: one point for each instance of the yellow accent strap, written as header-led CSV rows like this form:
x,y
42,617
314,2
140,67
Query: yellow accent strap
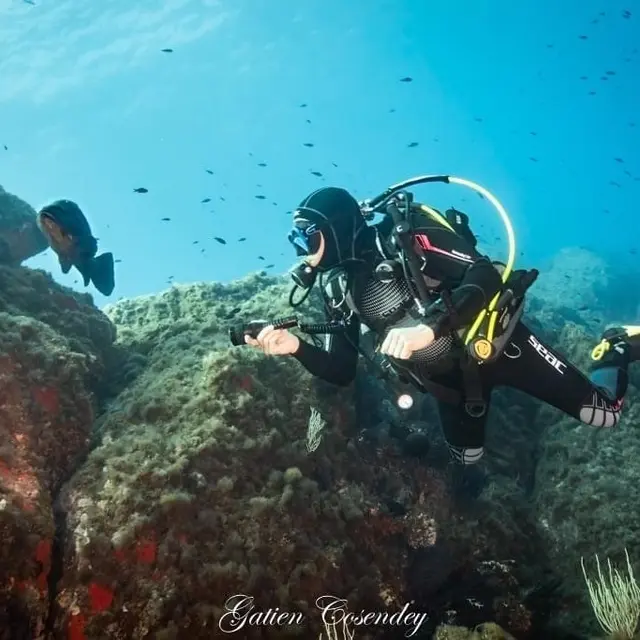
x,y
436,216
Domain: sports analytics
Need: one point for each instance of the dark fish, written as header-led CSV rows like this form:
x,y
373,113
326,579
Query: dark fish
x,y
392,110
406,79
260,257
411,145
303,105
308,121
307,144
222,198
334,164
262,164
232,313
165,219
69,235
620,160
220,240
166,50
5,147
584,77
533,159
270,266
259,197
141,190
196,242
592,93
583,37
316,173
117,260
241,239
209,171
626,14
478,119
532,133
205,200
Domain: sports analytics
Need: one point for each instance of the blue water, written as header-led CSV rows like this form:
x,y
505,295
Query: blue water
x,y
91,108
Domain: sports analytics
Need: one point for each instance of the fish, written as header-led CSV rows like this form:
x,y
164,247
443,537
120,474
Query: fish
x,y
241,239
259,197
68,233
307,144
166,50
209,171
262,164
316,173
165,219
205,200
141,190
220,240
412,145
261,258
406,79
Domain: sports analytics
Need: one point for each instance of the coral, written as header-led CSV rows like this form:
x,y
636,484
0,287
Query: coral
x,y
52,353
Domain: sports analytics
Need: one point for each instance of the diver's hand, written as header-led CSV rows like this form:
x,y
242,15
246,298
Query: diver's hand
x,y
274,342
401,343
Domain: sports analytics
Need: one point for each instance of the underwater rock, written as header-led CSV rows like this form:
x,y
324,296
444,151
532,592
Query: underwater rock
x,y
53,345
20,236
204,487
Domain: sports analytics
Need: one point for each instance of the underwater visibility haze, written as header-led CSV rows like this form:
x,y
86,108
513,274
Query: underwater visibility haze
x,y
177,160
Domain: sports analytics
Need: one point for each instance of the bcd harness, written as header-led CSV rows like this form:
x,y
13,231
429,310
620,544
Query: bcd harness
x,y
483,341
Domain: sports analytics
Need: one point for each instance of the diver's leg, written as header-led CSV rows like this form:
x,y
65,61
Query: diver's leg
x,y
530,365
463,430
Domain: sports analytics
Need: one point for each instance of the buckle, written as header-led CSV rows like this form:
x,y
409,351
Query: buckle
x,y
475,409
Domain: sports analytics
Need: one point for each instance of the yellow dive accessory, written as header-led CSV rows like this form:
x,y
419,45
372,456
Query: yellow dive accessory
x,y
499,313
605,344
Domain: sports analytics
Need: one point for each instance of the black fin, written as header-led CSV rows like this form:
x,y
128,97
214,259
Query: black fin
x,y
102,273
85,271
65,264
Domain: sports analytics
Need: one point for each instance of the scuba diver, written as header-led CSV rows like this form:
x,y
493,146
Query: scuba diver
x,y
446,318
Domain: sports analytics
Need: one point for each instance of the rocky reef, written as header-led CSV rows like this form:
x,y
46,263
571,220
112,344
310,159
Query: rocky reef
x,y
149,471
20,237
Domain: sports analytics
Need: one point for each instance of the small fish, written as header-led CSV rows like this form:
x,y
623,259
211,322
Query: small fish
x,y
411,145
5,147
532,133
241,239
620,160
117,260
166,50
303,105
196,242
165,219
68,233
261,258
583,38
222,198
270,266
141,190
406,79
478,119
220,240
533,159
209,171
205,200
262,164
334,164
232,313
307,144
259,197
317,174
308,121
626,14
584,77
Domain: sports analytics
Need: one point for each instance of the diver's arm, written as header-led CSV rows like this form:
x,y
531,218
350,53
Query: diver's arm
x,y
336,363
478,286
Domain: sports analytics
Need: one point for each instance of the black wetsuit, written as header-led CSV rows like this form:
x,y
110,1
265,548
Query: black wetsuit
x,y
452,264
